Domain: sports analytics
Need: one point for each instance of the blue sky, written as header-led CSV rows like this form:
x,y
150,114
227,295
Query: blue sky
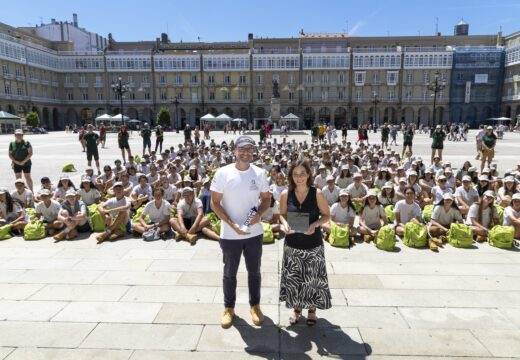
x,y
231,20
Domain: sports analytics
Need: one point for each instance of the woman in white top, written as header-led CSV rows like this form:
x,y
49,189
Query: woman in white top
x,y
278,186
444,214
88,192
466,195
372,217
383,176
345,177
482,217
342,214
387,195
506,192
406,210
23,194
439,190
427,183
512,215
170,191
158,210
63,186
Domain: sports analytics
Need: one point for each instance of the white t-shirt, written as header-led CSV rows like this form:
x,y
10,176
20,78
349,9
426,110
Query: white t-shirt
x,y
147,190
467,196
444,218
407,211
157,214
438,193
25,196
189,210
480,134
357,192
90,197
340,214
170,192
321,181
240,192
509,211
373,216
473,213
277,191
268,214
113,203
50,213
174,179
344,182
331,196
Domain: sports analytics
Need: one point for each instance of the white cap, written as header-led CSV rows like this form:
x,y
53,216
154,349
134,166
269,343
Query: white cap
x,y
466,178
516,196
489,193
187,190
19,181
483,178
447,196
402,180
442,177
412,173
18,132
70,192
64,177
357,175
509,179
388,185
330,178
343,192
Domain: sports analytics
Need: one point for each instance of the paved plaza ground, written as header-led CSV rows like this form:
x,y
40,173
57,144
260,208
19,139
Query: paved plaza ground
x,y
163,300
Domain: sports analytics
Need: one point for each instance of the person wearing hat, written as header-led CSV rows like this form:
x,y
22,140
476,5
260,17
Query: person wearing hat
x,y
234,195
146,134
22,194
91,141
387,196
506,192
372,216
483,185
385,132
187,134
116,214
20,153
45,183
407,140
357,190
11,212
141,193
483,216
74,216
158,211
89,194
47,210
441,189
64,185
444,214
406,210
438,137
159,138
466,195
512,215
189,219
122,142
105,181
331,191
489,140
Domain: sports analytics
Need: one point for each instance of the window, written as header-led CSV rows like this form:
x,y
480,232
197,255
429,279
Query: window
x,y
325,78
391,95
194,79
7,89
426,77
212,95
194,97
341,95
130,79
391,77
19,91
84,96
425,95
70,96
211,79
147,96
5,70
358,95
99,96
308,79
243,95
242,79
359,77
178,79
227,95
18,72
179,95
132,96
162,79
290,79
341,78
164,96
409,78
82,79
98,79
441,94
309,95
260,79
145,79
227,79
67,79
375,79
324,95
276,78
260,95
291,95
460,76
117,96
408,95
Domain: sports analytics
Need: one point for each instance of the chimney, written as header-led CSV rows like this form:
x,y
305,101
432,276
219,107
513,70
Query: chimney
x,y
75,19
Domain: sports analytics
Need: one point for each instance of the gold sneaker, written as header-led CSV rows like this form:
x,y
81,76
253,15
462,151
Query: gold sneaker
x,y
433,246
437,241
60,236
256,315
102,237
192,238
367,238
72,234
178,236
227,319
481,238
115,234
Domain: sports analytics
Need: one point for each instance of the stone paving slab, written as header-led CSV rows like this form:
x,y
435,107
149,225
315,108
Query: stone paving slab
x,y
175,294
450,282
58,277
75,354
18,291
139,278
29,310
500,342
75,292
109,312
269,279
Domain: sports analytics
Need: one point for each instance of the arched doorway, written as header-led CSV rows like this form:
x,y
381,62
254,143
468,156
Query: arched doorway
x,y
37,111
244,113
147,115
71,117
86,116
324,115
389,116
456,114
408,116
213,111
308,117
424,116
11,110
55,119
45,118
260,113
198,115
508,111
470,115
229,112
340,116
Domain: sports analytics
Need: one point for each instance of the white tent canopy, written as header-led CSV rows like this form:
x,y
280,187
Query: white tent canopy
x,y
224,117
118,117
499,119
239,120
208,116
104,117
291,117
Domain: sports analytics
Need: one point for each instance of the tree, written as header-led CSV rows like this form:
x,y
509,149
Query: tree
x,y
163,117
33,119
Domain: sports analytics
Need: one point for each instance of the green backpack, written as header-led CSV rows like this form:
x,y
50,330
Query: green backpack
x,y
138,215
500,213
501,236
34,231
268,234
214,221
460,235
5,232
339,236
427,213
390,215
68,168
97,223
385,239
358,206
414,235
30,213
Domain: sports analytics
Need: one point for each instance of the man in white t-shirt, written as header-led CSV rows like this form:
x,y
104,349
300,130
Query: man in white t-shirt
x,y
478,137
115,212
331,191
190,216
23,194
47,210
234,193
158,211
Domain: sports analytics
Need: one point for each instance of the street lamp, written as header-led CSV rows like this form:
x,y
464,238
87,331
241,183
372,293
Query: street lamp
x,y
376,101
175,102
120,89
436,86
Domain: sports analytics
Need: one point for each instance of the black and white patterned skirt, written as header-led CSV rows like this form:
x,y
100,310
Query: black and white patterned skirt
x,y
304,282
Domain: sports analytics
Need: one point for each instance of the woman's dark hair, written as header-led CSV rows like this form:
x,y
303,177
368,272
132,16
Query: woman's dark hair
x,y
453,204
307,168
365,201
350,204
389,195
8,203
388,176
71,184
347,175
92,186
482,189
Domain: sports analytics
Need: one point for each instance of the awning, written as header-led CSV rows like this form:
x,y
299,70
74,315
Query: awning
x,y
118,117
208,116
4,115
104,117
224,117
290,116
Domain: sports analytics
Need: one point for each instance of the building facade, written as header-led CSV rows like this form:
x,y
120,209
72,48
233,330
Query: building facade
x,y
322,77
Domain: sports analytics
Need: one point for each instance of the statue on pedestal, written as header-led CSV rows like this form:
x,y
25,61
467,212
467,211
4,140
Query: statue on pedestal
x,y
276,91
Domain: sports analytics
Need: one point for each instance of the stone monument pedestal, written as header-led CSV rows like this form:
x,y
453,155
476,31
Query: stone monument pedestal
x,y
275,112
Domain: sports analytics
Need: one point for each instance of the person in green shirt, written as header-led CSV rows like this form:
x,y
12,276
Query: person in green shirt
x,y
263,134
146,134
91,141
385,131
407,141
314,133
438,137
122,142
20,153
489,141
